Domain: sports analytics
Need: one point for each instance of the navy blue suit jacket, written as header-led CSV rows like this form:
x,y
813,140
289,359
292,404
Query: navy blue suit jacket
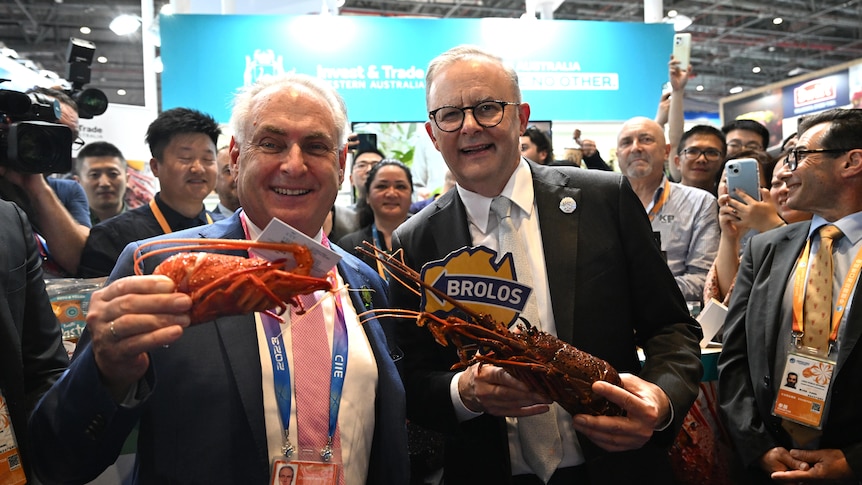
x,y
201,418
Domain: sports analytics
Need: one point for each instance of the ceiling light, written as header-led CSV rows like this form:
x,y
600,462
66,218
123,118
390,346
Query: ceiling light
x,y
167,9
777,20
680,22
158,65
85,30
735,89
755,69
125,24
101,59
699,87
121,92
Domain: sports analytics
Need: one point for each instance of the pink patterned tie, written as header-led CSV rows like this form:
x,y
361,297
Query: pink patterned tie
x,y
312,361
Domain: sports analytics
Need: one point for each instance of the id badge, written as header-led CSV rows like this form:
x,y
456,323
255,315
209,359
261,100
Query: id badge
x,y
11,471
804,390
308,469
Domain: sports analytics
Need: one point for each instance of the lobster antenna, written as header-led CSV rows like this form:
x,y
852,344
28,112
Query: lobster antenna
x,y
407,272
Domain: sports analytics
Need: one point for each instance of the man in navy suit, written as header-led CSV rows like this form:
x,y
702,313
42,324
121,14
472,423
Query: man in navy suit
x,y
204,397
600,284
823,174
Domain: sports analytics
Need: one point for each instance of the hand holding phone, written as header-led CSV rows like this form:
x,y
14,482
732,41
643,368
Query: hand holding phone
x,y
744,174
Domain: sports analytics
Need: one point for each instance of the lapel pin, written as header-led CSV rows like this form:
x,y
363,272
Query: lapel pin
x,y
568,205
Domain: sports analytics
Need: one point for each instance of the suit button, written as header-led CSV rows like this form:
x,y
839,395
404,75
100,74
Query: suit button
x,y
96,426
766,382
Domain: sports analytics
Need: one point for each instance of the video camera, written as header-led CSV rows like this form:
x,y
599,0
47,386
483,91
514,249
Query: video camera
x,y
30,140
91,102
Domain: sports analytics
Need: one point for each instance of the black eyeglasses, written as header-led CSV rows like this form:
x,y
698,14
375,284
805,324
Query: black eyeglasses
x,y
735,145
798,154
488,114
693,153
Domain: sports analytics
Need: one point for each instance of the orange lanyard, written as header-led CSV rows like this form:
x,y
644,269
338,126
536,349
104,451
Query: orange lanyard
x,y
840,305
665,193
157,213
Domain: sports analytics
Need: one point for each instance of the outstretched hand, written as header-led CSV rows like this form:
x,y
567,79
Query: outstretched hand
x,y
646,407
129,318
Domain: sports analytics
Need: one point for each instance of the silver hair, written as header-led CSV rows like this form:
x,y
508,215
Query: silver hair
x,y
466,52
244,102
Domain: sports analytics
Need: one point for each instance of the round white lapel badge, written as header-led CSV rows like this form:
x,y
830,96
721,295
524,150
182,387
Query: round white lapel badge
x,y
568,205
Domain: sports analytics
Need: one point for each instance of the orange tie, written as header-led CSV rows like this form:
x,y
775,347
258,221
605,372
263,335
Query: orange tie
x,y
817,308
817,315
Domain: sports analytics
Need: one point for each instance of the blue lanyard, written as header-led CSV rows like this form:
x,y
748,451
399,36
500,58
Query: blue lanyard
x,y
281,371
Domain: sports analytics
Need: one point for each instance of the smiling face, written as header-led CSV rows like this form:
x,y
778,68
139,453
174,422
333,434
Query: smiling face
x,y
390,194
481,159
811,186
778,192
700,172
187,172
290,165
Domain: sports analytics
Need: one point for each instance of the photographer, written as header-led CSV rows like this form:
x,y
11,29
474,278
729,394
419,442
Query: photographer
x,y
62,234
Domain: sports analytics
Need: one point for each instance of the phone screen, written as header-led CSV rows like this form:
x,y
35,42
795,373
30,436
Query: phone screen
x,y
367,141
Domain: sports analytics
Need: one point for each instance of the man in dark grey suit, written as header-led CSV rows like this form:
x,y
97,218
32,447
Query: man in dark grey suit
x,y
206,399
824,176
32,355
600,283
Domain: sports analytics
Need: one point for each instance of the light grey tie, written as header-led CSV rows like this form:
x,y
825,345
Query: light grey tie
x,y
540,437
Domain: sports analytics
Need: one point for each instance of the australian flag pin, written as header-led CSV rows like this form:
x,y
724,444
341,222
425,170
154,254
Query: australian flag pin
x,y
568,205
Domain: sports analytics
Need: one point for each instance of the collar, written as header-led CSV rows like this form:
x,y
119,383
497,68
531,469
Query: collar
x,y
223,210
254,231
519,189
656,196
178,221
850,225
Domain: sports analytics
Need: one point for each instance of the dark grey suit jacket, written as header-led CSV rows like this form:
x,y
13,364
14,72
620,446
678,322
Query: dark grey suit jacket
x,y
201,416
32,355
746,379
611,291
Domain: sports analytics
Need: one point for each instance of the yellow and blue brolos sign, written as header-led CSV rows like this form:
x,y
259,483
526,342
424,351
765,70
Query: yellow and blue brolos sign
x,y
470,276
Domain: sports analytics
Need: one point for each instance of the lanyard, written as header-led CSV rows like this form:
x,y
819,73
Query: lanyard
x,y
840,305
665,193
378,241
164,222
281,372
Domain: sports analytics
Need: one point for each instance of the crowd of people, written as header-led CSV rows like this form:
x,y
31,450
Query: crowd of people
x,y
612,260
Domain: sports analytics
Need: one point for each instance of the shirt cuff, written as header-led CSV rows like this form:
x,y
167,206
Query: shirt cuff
x,y
669,421
462,412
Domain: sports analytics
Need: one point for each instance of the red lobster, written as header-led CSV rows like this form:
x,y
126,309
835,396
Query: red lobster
x,y
222,285
545,363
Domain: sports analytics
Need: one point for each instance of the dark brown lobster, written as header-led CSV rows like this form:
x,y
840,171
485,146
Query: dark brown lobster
x,y
545,363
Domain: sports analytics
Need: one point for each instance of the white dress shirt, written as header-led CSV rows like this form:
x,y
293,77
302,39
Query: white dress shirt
x,y
356,416
483,232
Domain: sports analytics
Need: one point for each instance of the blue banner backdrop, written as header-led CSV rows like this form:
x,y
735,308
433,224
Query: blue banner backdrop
x,y
568,70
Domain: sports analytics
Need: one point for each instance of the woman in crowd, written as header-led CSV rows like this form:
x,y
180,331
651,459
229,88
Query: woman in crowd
x,y
389,189
737,218
536,146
